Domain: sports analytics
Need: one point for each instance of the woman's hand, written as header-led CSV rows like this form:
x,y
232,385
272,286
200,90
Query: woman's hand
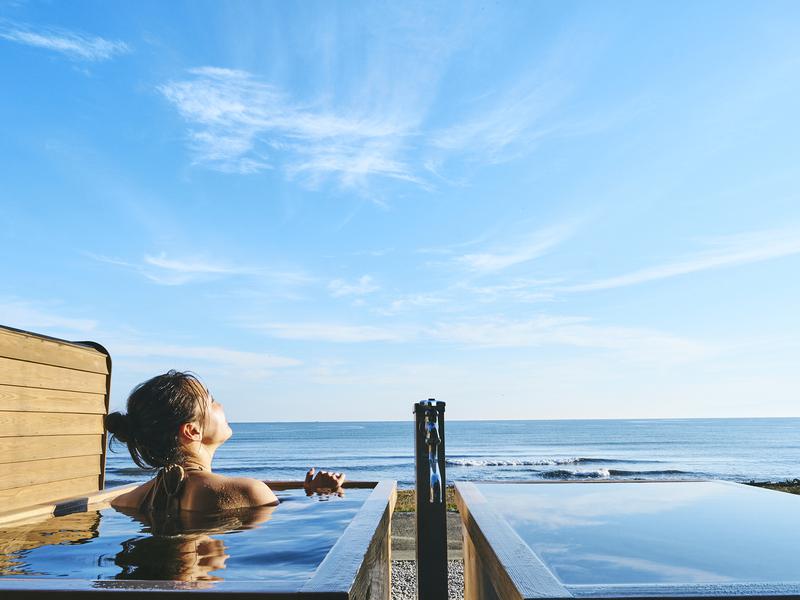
x,y
323,482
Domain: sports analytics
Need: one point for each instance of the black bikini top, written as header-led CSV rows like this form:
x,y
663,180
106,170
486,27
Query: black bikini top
x,y
164,496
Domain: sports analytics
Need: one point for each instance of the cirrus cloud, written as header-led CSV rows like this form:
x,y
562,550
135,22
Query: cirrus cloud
x,y
75,45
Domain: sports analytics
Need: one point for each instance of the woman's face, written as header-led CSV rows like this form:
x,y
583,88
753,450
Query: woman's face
x,y
215,429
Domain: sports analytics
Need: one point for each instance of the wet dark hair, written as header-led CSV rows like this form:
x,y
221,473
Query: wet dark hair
x,y
156,410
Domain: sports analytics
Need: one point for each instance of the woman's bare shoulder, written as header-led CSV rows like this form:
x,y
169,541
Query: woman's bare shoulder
x,y
210,491
133,498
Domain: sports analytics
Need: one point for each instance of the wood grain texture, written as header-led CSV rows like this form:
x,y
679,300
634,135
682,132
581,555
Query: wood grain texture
x,y
20,497
29,399
32,348
34,513
374,578
28,374
34,472
513,568
339,569
477,579
19,424
18,449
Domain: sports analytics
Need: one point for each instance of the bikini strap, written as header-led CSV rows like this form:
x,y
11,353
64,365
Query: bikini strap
x,y
165,493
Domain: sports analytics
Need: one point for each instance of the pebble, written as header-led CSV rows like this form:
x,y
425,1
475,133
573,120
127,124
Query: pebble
x,y
404,580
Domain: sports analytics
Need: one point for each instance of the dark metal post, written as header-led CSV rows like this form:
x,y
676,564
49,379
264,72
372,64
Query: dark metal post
x,y
431,501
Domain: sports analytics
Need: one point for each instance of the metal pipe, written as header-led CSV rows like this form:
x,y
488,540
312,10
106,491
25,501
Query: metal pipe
x,y
431,501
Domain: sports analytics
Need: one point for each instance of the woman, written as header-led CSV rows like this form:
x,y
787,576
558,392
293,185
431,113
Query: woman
x,y
173,424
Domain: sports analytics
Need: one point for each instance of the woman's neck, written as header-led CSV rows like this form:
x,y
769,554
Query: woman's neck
x,y
198,456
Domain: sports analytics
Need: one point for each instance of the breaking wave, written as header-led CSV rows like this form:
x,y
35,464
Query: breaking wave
x,y
509,462
609,473
537,462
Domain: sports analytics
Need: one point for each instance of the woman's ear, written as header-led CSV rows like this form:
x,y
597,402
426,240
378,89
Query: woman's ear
x,y
190,432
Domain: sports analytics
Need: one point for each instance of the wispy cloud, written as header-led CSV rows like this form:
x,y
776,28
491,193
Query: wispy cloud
x,y
580,332
332,332
517,290
531,247
238,122
634,344
163,270
43,318
170,271
449,249
364,285
209,354
75,45
412,302
517,118
728,251
375,124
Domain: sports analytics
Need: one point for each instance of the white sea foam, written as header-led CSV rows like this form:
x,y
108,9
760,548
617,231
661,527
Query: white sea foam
x,y
510,462
564,474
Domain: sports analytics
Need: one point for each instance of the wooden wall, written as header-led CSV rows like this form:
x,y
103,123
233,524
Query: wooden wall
x,y
53,396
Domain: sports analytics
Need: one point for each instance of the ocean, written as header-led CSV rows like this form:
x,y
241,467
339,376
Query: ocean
x,y
729,449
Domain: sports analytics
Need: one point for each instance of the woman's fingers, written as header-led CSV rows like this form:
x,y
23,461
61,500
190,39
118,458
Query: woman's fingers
x,y
324,478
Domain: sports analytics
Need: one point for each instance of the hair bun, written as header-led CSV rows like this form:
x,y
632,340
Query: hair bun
x,y
119,426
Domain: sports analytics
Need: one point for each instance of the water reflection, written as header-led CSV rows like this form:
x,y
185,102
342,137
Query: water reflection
x,y
17,539
185,547
655,533
281,549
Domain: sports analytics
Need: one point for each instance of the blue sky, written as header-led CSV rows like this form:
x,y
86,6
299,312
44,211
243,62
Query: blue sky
x,y
331,210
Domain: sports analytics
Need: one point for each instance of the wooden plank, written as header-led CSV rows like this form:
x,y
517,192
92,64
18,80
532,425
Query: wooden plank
x,y
339,569
28,374
34,472
374,579
36,512
20,497
18,449
31,424
477,578
28,399
513,568
23,346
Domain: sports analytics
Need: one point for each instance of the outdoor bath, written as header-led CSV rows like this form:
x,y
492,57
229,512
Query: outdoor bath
x,y
60,535
618,539
320,546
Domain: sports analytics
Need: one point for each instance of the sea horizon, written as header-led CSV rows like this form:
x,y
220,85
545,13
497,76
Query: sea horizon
x,y
449,420
732,449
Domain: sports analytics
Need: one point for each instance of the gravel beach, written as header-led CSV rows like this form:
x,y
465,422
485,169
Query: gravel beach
x,y
404,579
404,567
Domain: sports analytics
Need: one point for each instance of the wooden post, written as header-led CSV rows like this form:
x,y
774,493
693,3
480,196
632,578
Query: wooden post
x,y
431,501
